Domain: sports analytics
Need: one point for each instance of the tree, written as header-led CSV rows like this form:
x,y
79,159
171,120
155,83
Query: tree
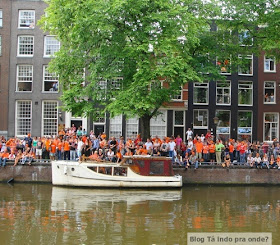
x,y
131,57
261,18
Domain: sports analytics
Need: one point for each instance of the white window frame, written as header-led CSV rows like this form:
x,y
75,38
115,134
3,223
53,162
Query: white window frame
x,y
220,66
179,96
251,128
46,45
22,77
223,92
277,128
219,128
201,85
177,125
52,78
269,59
250,86
17,118
1,18
270,88
207,122
116,124
21,46
159,124
44,102
32,22
132,125
248,57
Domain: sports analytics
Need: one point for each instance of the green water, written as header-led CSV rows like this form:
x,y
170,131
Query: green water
x,y
42,214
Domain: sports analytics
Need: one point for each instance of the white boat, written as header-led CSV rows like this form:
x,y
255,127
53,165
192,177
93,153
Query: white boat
x,y
134,171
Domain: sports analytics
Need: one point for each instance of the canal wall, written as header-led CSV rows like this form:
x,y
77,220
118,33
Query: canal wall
x,y
208,175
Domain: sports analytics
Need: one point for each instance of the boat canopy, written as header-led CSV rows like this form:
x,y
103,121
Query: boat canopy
x,y
150,165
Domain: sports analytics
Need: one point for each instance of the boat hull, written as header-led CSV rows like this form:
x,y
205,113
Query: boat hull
x,y
75,174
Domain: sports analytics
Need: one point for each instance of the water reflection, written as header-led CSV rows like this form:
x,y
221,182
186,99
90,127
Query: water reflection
x,y
42,214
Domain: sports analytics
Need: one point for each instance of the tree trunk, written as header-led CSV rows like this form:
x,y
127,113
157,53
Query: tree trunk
x,y
145,127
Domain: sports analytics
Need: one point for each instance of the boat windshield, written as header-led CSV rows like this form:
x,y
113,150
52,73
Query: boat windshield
x,y
153,166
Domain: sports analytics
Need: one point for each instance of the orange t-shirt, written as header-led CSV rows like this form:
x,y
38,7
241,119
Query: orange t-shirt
x,y
205,149
198,147
231,148
66,146
212,148
119,155
53,147
5,155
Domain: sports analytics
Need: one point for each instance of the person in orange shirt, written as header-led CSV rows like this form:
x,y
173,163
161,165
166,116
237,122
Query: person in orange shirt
x,y
231,149
52,150
199,147
3,157
212,152
205,152
48,148
66,147
94,156
103,135
143,151
59,149
118,156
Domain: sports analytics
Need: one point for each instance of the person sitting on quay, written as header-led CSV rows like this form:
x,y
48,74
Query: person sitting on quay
x,y
250,160
193,160
226,161
4,156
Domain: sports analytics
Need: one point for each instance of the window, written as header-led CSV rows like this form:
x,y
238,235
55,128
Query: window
x,y
116,126
200,118
244,124
23,117
269,64
223,65
179,123
200,93
132,128
245,38
50,81
50,117
223,93
1,18
158,125
25,46
178,95
245,67
51,45
0,45
223,126
26,19
245,93
24,77
271,127
269,93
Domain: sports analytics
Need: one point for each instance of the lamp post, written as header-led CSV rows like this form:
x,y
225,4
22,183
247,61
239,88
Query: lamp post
x,y
216,121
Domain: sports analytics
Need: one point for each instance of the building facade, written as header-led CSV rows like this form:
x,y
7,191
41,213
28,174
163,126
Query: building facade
x,y
229,108
268,98
5,39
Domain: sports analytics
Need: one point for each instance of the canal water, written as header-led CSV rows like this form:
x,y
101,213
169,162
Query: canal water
x,y
43,214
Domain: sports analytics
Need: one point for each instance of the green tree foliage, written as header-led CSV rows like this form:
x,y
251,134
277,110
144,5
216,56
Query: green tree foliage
x,y
131,57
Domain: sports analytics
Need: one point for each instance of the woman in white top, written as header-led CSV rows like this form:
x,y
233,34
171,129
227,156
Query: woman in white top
x,y
258,160
265,161
250,160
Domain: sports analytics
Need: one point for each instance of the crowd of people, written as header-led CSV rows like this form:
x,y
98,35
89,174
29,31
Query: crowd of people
x,y
76,145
